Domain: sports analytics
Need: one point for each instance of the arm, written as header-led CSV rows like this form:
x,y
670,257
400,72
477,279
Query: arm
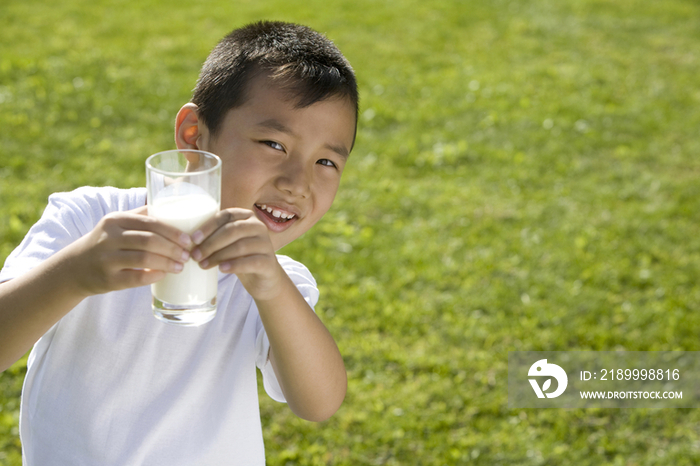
x,y
124,250
304,356
26,313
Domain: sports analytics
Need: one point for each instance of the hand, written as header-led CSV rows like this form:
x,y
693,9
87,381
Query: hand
x,y
126,250
238,242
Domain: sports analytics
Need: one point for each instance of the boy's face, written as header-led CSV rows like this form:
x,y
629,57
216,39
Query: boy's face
x,y
281,161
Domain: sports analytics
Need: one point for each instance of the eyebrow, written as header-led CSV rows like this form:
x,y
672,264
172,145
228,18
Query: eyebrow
x,y
277,125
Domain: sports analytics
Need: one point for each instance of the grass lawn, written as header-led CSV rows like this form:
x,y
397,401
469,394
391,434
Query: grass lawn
x,y
525,178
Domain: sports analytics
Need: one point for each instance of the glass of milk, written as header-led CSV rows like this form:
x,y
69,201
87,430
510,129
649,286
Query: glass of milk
x,y
184,190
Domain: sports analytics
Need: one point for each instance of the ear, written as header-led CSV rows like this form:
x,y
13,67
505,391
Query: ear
x,y
189,129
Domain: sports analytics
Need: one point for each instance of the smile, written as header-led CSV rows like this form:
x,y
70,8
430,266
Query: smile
x,y
277,214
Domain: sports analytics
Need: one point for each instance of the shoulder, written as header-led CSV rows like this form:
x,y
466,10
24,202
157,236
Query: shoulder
x,y
295,268
78,211
89,204
105,199
302,278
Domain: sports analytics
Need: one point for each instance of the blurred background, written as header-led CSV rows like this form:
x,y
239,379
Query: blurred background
x,y
525,178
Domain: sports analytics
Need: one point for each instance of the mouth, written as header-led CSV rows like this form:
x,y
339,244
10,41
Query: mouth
x,y
276,218
276,214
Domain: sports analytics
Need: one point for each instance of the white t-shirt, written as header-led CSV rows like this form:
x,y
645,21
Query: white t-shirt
x,y
111,385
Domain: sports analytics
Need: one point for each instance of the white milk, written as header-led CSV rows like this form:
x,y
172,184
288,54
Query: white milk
x,y
187,213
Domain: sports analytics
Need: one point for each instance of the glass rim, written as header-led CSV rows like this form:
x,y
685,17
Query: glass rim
x,y
150,167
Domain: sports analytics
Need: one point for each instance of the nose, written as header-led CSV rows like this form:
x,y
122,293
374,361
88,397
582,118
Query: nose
x,y
295,179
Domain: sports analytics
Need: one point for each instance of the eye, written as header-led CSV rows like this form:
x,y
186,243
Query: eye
x,y
274,145
327,163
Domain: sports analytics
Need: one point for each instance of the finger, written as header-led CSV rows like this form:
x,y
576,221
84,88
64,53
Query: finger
x,y
143,210
131,278
145,260
222,218
148,241
228,234
248,246
131,221
253,264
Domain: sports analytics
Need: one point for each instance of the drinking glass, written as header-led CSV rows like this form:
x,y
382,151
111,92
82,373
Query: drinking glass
x,y
184,191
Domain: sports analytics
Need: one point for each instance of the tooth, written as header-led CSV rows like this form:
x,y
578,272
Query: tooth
x,y
269,209
263,207
276,213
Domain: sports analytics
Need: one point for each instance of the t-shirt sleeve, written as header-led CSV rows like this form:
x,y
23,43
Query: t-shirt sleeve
x,y
306,284
58,227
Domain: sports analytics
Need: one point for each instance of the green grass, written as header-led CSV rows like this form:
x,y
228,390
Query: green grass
x,y
525,178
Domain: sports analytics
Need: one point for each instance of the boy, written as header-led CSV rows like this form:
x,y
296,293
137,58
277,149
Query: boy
x,y
107,383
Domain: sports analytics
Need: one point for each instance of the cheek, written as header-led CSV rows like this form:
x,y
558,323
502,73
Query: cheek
x,y
232,188
325,197
240,185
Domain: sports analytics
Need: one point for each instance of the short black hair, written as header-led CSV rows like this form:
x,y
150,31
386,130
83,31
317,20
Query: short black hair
x,y
300,60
